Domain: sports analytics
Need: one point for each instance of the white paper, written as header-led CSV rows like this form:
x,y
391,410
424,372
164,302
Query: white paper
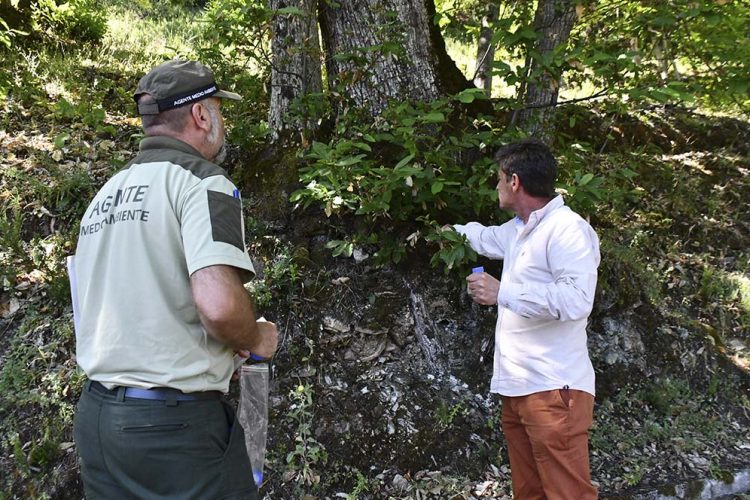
x,y
71,263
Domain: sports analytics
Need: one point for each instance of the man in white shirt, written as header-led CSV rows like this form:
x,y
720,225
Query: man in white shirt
x,y
541,365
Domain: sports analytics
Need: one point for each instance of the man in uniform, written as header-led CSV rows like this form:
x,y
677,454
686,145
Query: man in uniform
x,y
541,365
161,308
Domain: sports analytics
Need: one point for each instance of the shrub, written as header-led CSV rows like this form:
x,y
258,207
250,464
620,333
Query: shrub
x,y
79,20
441,174
53,21
233,42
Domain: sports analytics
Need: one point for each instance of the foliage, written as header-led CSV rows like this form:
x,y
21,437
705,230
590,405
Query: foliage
x,y
58,22
7,34
233,41
39,385
678,51
80,20
355,174
674,51
236,31
460,20
279,280
93,116
445,175
308,454
361,487
39,259
446,415
143,34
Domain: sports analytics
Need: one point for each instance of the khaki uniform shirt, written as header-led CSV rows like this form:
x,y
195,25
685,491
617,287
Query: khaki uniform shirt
x,y
166,215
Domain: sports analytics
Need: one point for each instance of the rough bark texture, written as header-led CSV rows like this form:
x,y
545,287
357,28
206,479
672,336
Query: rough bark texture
x,y
296,68
386,49
486,50
553,21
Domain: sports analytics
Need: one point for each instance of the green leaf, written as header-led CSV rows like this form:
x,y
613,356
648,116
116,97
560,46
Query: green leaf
x,y
528,33
434,117
320,149
470,95
349,160
586,179
436,187
664,20
404,161
297,195
628,174
61,139
341,247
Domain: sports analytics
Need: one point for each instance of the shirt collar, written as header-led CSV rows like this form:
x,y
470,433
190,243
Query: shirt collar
x,y
166,142
538,215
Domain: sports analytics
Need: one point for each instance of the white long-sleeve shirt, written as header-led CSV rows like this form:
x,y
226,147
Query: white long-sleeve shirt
x,y
545,297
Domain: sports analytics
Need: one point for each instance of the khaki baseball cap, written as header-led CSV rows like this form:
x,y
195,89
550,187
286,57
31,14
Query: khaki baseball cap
x,y
178,83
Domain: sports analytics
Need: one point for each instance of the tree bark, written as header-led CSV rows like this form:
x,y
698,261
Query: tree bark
x,y
553,21
296,66
486,50
386,49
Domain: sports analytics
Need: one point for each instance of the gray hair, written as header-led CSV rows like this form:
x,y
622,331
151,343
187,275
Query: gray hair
x,y
173,120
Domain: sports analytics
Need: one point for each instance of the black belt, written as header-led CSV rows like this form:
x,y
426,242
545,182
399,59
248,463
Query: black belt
x,y
156,393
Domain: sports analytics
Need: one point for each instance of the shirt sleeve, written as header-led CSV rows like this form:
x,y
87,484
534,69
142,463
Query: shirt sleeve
x,y
489,241
573,257
212,227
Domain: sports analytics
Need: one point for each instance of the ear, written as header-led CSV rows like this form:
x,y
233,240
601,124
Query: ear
x,y
201,116
515,183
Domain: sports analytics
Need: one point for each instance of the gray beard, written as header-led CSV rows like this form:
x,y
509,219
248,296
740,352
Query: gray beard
x,y
221,155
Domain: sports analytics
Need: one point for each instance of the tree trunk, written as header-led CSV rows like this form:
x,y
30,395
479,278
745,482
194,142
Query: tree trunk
x,y
296,65
386,49
667,64
553,21
486,50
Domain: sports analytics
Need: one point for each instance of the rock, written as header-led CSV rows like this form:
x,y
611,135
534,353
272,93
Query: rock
x,y
400,483
359,255
334,325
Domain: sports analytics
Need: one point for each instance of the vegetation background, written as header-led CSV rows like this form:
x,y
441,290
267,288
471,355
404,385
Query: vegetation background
x,y
380,383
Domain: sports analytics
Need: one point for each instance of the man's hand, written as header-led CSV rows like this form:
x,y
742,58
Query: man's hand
x,y
268,339
483,288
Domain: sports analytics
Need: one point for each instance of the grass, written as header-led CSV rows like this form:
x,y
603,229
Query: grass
x,y
139,38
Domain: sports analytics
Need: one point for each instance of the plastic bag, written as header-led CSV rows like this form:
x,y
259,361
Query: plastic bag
x,y
253,414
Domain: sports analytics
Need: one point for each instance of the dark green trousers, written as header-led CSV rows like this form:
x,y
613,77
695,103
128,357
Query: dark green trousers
x,y
135,448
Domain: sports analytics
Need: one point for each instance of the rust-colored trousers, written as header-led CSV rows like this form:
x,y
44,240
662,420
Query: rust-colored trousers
x,y
548,444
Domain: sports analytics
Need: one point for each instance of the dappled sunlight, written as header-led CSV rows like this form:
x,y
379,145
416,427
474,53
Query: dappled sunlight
x,y
737,346
56,89
149,39
742,282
